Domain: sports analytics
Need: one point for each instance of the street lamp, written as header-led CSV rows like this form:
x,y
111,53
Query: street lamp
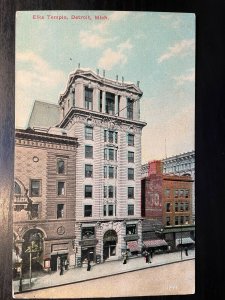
x,y
33,248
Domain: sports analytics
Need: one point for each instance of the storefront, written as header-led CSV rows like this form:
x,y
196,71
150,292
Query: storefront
x,y
110,240
158,245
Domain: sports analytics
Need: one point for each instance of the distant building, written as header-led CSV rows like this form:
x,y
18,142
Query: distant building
x,y
44,197
167,199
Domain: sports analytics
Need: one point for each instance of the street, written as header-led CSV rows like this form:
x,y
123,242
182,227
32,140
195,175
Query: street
x,y
170,279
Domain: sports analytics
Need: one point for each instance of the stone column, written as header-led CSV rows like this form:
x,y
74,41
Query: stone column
x,y
116,104
103,101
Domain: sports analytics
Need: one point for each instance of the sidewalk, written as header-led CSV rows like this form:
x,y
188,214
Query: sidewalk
x,y
101,270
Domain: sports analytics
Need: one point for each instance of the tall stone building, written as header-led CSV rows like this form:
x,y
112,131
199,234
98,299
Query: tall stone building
x,y
104,115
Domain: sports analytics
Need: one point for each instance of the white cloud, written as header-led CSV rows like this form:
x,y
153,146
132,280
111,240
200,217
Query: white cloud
x,y
110,58
35,79
189,76
92,40
182,48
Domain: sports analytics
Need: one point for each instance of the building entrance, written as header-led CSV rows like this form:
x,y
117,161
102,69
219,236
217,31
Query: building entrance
x,y
109,244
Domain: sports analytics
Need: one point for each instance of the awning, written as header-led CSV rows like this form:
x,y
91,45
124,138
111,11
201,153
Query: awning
x,y
133,246
155,243
184,241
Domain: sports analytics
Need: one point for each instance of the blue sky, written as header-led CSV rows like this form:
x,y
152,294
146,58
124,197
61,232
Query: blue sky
x,y
155,48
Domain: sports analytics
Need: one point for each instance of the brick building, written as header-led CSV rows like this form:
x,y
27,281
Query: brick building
x,y
167,199
104,115
44,196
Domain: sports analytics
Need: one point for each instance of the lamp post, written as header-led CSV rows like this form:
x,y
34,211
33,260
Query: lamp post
x,y
33,248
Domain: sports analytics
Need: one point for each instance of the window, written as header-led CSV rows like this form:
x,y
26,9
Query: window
x,y
181,206
88,210
130,156
60,211
181,193
105,191
111,172
60,166
176,220
111,154
35,188
110,136
167,193
88,171
104,210
167,221
187,219
88,98
110,104
130,192
168,205
110,210
130,209
88,151
110,191
17,189
100,102
88,133
176,193
118,108
34,211
88,232
105,135
186,206
105,171
131,229
182,220
130,174
129,109
116,137
130,139
176,206
61,188
88,191
186,193
105,154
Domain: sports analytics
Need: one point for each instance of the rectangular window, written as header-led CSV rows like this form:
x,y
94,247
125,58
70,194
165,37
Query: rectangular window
x,y
186,193
181,193
176,206
110,191
61,188
130,174
110,136
105,135
60,166
167,193
88,151
130,139
187,219
176,220
168,205
35,187
181,206
111,154
186,206
111,172
116,137
131,192
167,221
110,210
110,104
88,171
88,232
60,211
105,171
129,109
176,193
105,154
34,211
88,133
88,191
88,98
130,156
130,209
105,191
100,102
131,229
104,210
88,210
181,220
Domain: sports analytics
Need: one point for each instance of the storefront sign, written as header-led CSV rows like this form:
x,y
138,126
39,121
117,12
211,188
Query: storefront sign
x,y
86,243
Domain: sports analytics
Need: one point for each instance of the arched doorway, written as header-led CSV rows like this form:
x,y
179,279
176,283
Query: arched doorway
x,y
110,240
33,242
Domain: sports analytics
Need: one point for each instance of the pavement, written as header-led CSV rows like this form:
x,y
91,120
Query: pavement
x,y
108,268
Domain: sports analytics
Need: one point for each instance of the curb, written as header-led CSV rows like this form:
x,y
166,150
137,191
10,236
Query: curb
x,y
104,276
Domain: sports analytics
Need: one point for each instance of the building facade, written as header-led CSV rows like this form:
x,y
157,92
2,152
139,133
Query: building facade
x,y
104,115
44,197
167,199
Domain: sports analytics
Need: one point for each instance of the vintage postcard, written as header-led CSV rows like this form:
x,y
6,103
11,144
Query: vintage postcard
x,y
104,198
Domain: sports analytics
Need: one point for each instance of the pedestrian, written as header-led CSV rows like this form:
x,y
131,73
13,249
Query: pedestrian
x,y
146,257
125,258
89,265
151,253
61,266
186,251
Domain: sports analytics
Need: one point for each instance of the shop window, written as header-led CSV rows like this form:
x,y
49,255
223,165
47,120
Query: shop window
x,y
35,187
130,209
88,210
88,151
130,156
131,229
88,133
130,139
61,188
88,232
60,211
88,191
88,171
60,166
88,98
131,192
130,174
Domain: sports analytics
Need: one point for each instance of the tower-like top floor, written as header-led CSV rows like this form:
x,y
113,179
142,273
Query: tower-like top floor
x,y
88,90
